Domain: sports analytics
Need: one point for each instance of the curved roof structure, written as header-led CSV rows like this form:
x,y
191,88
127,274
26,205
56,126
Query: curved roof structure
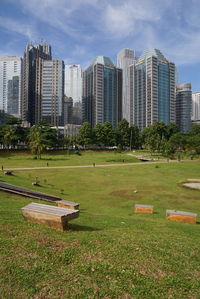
x,y
103,60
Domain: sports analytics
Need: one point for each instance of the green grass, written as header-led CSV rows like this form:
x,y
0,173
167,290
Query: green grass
x,y
109,252
62,158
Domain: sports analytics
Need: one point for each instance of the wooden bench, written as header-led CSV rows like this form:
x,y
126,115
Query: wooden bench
x,y
49,215
8,172
67,204
143,209
181,216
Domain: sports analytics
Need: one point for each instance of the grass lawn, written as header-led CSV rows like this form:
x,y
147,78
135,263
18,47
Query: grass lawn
x,y
62,158
109,252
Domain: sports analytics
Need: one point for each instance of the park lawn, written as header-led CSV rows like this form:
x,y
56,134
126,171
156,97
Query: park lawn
x,y
18,159
109,252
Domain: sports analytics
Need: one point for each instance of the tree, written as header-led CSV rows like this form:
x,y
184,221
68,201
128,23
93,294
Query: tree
x,y
178,141
85,134
123,133
104,134
135,139
36,141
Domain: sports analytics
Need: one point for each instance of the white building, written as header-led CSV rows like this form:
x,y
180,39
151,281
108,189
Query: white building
x,y
125,58
73,82
196,105
10,84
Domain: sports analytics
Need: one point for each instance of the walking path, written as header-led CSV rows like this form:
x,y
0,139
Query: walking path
x,y
99,165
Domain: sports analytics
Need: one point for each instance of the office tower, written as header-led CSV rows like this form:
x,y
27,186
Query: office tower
x,y
67,110
34,55
196,106
52,92
183,106
73,82
125,58
10,84
77,113
152,89
102,92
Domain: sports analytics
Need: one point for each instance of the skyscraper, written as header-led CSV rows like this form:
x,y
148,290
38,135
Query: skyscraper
x,y
125,58
52,83
183,107
31,82
10,84
67,110
196,106
152,89
102,92
73,82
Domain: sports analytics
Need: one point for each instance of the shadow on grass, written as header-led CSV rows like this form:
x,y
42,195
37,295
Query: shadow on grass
x,y
76,227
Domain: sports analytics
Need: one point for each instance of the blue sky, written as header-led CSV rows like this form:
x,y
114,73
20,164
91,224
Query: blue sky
x,y
79,30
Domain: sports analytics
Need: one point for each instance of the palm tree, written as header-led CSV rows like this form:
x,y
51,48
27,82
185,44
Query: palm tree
x,y
36,141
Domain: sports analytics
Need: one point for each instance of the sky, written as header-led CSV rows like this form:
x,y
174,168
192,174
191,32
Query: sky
x,y
79,30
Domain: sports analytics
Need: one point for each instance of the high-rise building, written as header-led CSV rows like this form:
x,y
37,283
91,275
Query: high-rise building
x,y
67,110
10,84
152,89
73,82
125,58
52,92
32,80
196,106
183,106
102,92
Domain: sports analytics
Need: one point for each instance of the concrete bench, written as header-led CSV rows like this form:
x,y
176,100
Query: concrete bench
x,y
67,204
143,209
49,215
181,216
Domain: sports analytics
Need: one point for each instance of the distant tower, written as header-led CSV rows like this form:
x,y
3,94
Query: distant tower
x,y
67,110
52,92
31,81
125,58
183,106
73,82
196,106
152,89
10,84
102,92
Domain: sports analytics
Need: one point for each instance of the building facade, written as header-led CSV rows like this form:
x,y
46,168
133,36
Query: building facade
x,y
152,89
10,84
34,56
102,92
73,82
52,92
67,110
183,107
125,58
196,106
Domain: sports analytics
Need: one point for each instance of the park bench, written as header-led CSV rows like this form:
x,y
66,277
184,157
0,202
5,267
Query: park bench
x,y
8,172
49,215
181,216
143,209
67,204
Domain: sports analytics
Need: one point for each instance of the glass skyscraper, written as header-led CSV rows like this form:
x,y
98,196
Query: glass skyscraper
x,y
102,92
152,89
125,58
10,84
183,106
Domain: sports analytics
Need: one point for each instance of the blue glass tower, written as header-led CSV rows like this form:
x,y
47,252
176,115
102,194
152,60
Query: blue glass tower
x,y
152,89
102,92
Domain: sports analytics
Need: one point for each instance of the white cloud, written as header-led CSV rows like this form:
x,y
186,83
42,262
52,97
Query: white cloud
x,y
27,30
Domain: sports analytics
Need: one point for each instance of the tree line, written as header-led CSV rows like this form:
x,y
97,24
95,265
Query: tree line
x,y
158,138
